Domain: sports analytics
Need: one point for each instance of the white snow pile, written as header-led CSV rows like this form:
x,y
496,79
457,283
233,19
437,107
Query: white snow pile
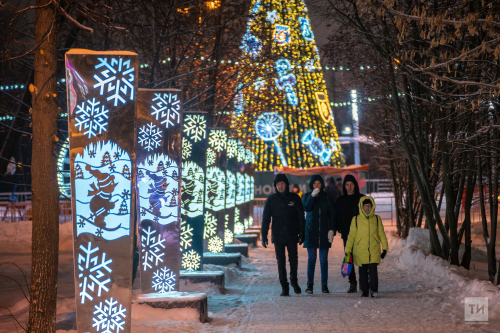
x,y
16,237
413,255
231,272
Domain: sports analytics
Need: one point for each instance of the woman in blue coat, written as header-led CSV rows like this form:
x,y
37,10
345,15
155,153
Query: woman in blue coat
x,y
319,231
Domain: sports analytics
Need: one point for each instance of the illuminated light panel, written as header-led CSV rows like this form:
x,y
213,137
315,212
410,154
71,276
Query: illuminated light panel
x,y
286,81
191,260
193,180
195,127
91,117
63,176
167,109
215,189
324,108
305,28
281,34
150,137
164,280
218,140
93,272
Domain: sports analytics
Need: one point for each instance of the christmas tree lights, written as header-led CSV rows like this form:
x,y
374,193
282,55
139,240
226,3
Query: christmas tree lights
x,y
286,83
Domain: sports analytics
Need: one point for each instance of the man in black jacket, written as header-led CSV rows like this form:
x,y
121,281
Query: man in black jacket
x,y
346,207
287,214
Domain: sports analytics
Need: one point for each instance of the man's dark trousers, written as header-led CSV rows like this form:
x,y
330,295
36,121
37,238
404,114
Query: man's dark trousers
x,y
291,247
352,276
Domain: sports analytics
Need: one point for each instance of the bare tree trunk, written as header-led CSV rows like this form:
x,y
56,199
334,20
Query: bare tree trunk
x,y
469,192
45,200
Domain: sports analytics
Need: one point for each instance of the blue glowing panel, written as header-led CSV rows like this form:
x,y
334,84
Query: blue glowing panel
x,y
251,45
305,28
158,172
104,208
101,89
115,79
158,189
281,34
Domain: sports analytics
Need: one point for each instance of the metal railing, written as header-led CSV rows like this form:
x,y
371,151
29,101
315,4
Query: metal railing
x,y
21,211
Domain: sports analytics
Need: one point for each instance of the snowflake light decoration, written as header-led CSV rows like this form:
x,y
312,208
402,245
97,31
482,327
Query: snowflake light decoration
x,y
186,149
210,225
218,140
92,117
272,16
186,235
150,136
167,108
92,271
241,153
109,318
164,280
191,260
232,148
239,228
114,74
151,248
195,127
215,244
228,236
210,156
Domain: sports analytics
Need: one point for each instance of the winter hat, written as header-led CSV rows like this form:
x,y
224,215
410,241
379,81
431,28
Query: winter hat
x,y
350,178
280,177
367,202
315,178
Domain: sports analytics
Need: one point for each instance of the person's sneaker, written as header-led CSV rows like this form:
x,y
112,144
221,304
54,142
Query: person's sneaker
x,y
296,287
352,288
309,289
365,295
324,290
374,294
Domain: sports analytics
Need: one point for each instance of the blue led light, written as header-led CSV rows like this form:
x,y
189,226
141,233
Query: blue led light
x,y
269,127
305,27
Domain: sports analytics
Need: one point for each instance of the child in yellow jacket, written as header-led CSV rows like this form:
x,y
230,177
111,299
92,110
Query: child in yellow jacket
x,y
364,240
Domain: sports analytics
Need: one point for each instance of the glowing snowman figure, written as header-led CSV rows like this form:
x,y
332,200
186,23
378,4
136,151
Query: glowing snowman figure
x,y
269,127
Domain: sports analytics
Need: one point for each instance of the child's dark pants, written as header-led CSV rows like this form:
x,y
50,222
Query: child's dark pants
x,y
368,278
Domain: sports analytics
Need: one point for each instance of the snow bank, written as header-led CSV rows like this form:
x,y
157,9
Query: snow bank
x,y
16,237
231,272
455,283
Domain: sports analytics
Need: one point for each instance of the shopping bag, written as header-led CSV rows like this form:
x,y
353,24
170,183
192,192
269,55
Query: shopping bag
x,y
346,265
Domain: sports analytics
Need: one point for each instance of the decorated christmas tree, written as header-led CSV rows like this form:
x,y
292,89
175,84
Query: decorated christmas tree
x,y
283,96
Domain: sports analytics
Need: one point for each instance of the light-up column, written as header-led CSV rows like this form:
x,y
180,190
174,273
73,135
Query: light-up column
x,y
232,166
355,120
239,226
101,90
215,191
249,184
194,147
158,150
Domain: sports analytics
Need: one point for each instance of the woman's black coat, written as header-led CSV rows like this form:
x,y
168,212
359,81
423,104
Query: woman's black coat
x,y
320,218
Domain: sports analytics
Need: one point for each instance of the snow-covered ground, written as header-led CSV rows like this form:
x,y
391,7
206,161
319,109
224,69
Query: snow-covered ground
x,y
418,292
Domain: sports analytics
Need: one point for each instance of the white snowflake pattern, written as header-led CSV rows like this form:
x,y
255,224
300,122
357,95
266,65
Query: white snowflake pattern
x,y
228,236
210,225
151,248
241,153
218,140
150,136
215,244
232,148
186,149
248,156
92,272
195,127
164,280
92,117
109,317
167,108
210,156
115,73
186,235
191,260
239,228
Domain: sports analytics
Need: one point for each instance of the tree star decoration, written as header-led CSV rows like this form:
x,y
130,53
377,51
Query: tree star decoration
x,y
167,108
119,78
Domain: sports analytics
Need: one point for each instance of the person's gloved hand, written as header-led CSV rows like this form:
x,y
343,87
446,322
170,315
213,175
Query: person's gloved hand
x,y
383,254
264,242
301,239
315,192
330,236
